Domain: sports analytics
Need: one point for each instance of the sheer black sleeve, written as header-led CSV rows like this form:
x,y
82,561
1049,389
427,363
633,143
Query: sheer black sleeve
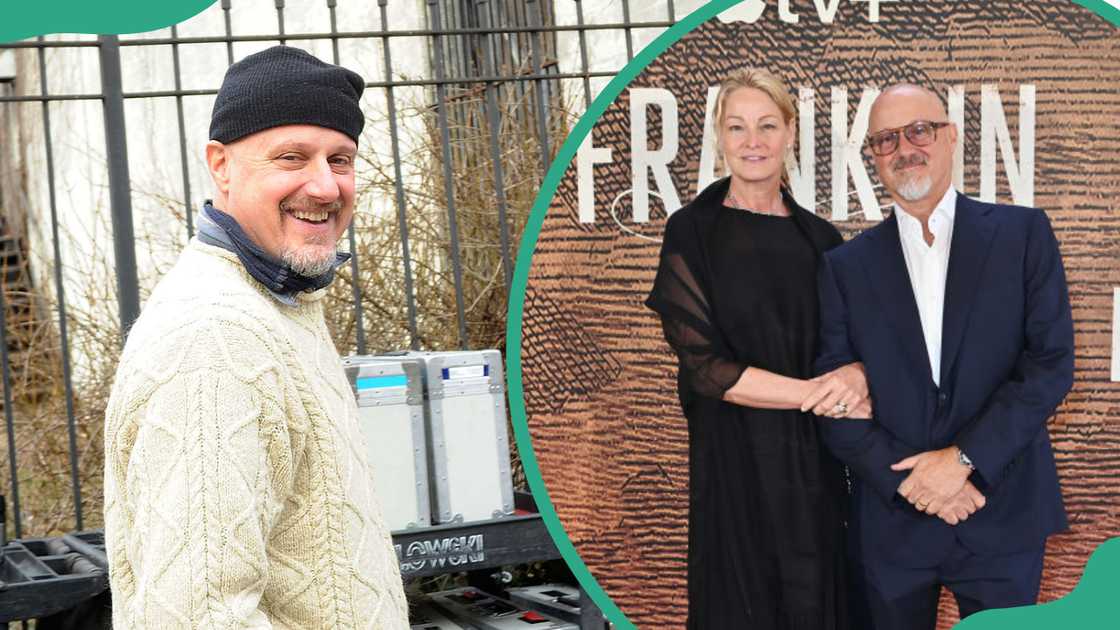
x,y
680,295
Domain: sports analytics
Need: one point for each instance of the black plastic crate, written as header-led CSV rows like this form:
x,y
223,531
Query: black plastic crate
x,y
43,576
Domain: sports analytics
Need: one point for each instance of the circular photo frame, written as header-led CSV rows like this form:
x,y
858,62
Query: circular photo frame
x,y
593,383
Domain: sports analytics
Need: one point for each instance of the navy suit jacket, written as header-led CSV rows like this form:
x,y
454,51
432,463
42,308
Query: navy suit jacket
x,y
1006,364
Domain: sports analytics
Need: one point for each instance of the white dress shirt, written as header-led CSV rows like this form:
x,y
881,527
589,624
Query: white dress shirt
x,y
927,266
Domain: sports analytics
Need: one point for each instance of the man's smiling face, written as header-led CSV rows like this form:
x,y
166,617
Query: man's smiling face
x,y
291,189
913,173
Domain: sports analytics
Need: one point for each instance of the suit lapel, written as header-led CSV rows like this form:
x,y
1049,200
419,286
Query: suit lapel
x,y
973,230
885,265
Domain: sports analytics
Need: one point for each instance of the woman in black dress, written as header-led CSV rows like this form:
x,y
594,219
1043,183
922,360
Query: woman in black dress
x,y
736,292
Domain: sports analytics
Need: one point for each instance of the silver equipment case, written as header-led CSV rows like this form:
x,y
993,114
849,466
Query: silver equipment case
x,y
486,612
390,399
559,600
468,443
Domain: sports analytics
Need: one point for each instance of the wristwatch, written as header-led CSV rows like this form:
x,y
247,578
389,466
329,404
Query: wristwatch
x,y
964,460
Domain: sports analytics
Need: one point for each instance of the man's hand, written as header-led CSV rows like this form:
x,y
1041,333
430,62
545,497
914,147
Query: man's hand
x,y
862,410
934,478
962,505
840,393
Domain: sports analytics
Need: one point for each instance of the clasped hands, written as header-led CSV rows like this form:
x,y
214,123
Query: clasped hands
x,y
938,485
938,482
841,393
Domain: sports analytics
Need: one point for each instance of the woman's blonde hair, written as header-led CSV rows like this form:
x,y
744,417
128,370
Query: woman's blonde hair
x,y
765,81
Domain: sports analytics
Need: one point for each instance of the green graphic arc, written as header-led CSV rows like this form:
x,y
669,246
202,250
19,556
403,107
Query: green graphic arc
x,y
28,19
1102,8
1091,604
529,238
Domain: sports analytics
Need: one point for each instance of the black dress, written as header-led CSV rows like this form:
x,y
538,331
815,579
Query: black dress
x,y
766,545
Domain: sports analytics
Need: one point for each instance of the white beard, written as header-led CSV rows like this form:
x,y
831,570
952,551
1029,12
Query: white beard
x,y
915,188
309,260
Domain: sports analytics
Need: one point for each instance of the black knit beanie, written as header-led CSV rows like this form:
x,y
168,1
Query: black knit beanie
x,y
286,86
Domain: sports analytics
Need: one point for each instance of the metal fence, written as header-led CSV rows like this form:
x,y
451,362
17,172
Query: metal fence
x,y
486,52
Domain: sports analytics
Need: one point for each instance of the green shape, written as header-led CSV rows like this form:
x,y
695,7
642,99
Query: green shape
x,y
1091,605
24,19
532,231
529,238
1103,9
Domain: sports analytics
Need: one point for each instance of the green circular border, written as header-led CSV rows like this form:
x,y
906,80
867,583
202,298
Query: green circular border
x,y
28,18
515,314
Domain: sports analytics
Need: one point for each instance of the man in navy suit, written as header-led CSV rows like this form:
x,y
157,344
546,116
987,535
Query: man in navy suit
x,y
959,312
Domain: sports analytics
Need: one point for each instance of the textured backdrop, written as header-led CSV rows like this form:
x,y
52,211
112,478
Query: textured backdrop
x,y
598,378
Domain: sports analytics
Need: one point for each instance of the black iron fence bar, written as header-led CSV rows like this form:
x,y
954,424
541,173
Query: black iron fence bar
x,y
230,39
9,421
494,123
672,10
583,63
369,84
51,98
332,6
456,47
493,120
280,20
415,32
448,181
60,296
120,199
351,236
398,183
626,29
540,87
187,205
229,30
41,43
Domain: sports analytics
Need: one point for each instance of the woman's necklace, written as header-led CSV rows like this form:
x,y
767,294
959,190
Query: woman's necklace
x,y
734,202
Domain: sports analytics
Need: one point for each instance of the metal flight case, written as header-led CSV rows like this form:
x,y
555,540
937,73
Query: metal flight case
x,y
464,416
468,444
390,396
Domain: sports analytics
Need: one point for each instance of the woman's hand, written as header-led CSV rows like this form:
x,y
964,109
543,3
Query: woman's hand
x,y
841,393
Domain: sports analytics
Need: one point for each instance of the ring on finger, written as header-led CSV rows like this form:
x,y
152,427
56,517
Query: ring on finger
x,y
841,409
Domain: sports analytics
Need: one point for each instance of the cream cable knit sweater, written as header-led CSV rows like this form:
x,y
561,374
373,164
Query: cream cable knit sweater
x,y
237,493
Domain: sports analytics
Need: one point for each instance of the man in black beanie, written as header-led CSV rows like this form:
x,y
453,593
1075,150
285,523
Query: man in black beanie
x,y
272,109
237,488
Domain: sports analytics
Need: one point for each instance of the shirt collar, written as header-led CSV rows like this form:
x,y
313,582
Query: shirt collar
x,y
946,208
211,233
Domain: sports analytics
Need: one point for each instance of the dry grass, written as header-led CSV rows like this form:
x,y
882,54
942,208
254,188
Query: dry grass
x,y
40,400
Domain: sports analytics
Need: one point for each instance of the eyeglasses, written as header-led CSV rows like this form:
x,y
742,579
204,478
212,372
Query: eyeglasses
x,y
920,133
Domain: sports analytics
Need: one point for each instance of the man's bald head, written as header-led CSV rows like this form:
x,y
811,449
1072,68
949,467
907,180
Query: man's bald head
x,y
918,171
908,93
